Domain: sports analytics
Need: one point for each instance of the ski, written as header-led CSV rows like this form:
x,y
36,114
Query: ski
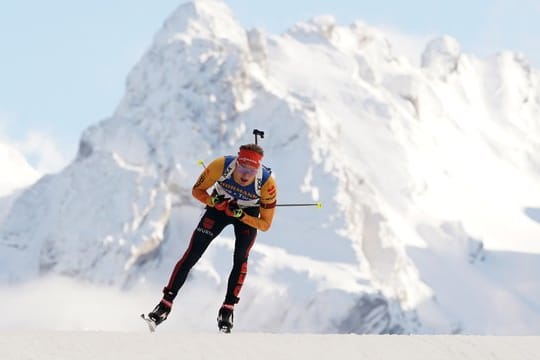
x,y
151,324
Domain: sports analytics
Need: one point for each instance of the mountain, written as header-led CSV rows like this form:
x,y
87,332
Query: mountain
x,y
428,177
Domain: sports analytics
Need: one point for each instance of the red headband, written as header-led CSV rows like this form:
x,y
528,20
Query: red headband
x,y
249,158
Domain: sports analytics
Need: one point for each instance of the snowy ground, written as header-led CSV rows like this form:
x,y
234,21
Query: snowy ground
x,y
134,346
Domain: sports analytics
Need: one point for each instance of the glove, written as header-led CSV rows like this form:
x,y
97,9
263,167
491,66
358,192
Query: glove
x,y
234,210
218,201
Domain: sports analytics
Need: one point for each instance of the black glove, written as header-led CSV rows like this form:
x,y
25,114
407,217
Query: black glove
x,y
234,210
218,201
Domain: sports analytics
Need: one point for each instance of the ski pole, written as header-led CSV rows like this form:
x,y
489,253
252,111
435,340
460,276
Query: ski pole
x,y
318,204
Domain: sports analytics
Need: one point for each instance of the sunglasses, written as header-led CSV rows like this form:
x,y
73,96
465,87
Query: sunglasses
x,y
242,170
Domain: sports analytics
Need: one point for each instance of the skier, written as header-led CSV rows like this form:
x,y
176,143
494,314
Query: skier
x,y
244,196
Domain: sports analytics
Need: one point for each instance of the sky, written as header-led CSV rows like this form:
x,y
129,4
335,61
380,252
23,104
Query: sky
x,y
63,64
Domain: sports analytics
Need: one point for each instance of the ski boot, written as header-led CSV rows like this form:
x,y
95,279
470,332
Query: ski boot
x,y
158,315
225,318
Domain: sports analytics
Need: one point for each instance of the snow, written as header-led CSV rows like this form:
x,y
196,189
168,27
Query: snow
x,y
117,345
427,173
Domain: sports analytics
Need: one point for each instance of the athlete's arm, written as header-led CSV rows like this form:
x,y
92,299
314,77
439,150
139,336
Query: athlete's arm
x,y
207,179
267,207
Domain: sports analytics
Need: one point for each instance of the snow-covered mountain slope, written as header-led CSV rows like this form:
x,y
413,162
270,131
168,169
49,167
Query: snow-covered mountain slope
x,y
428,177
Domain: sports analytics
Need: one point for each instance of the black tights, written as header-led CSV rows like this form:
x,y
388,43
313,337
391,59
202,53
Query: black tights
x,y
210,226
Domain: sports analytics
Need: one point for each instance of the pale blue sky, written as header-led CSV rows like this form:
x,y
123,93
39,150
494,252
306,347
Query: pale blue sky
x,y
63,62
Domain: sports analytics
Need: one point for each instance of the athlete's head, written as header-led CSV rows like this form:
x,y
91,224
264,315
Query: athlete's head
x,y
248,162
